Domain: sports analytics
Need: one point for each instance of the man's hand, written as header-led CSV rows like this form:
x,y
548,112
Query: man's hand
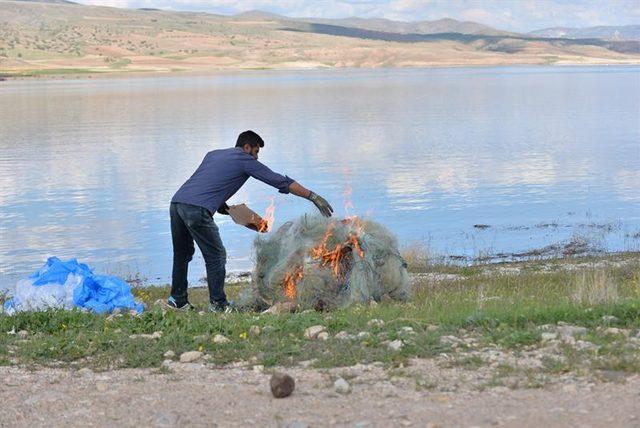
x,y
321,203
224,209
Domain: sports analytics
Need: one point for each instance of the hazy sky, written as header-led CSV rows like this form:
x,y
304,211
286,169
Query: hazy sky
x,y
514,15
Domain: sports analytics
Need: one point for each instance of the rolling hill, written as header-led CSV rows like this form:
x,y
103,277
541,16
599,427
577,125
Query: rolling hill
x,y
59,37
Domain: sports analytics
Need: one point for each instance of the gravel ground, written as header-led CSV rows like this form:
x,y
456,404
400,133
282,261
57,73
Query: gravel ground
x,y
195,394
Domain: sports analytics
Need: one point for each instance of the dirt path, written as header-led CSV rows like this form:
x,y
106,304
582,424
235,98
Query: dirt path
x,y
198,395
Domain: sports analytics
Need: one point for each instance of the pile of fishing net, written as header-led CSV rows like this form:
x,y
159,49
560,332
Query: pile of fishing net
x,y
321,263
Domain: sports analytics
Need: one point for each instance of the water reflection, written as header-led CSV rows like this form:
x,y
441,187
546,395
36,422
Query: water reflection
x,y
87,167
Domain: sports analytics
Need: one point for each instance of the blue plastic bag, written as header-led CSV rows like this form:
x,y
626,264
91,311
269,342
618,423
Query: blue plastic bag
x,y
104,294
70,284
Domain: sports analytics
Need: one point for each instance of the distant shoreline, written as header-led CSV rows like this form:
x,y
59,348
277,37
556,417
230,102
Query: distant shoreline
x,y
62,74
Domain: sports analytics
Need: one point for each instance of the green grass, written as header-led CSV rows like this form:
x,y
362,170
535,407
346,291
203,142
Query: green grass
x,y
504,311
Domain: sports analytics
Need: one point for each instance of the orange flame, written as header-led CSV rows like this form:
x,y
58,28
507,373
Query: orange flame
x,y
326,256
291,282
269,217
332,257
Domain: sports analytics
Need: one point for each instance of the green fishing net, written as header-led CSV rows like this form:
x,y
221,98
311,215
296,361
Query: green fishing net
x,y
323,263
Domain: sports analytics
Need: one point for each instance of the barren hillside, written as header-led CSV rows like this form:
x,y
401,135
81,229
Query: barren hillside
x,y
58,37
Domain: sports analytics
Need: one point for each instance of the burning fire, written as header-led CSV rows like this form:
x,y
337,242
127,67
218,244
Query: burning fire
x,y
327,256
269,217
291,282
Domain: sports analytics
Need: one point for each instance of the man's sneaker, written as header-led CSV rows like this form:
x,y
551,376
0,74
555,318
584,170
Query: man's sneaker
x,y
223,308
171,303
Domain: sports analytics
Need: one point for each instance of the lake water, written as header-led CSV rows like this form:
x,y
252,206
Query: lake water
x,y
541,155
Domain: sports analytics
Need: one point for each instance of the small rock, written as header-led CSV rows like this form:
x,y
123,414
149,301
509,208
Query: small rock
x,y
343,335
169,354
154,335
190,356
313,331
432,327
167,363
218,338
341,386
583,345
323,335
254,331
548,336
396,345
281,308
565,330
375,323
610,319
282,385
451,340
610,330
85,371
363,335
297,424
407,330
23,334
258,368
101,387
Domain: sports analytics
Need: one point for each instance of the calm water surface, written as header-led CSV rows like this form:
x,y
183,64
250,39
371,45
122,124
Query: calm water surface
x,y
542,155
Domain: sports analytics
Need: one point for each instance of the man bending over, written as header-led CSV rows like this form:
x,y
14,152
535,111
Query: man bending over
x,y
219,177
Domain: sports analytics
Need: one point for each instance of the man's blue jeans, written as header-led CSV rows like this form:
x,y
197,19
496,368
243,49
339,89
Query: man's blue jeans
x,y
192,223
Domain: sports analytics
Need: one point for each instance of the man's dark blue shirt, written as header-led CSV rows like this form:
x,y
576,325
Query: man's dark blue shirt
x,y
220,176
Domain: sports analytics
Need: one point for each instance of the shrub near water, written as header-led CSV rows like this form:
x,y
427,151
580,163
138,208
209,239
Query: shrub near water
x,y
500,310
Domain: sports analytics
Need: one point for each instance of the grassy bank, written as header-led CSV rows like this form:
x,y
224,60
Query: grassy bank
x,y
463,314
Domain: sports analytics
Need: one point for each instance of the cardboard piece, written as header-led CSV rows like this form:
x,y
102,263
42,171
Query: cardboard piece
x,y
245,216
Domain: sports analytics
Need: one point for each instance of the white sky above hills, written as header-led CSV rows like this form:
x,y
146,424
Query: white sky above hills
x,y
511,15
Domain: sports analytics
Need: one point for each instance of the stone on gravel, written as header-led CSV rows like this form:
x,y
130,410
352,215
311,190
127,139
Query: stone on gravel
x,y
282,385
169,354
566,331
323,335
85,371
190,356
451,340
254,331
343,335
616,331
375,323
313,331
154,335
548,336
396,345
341,386
218,338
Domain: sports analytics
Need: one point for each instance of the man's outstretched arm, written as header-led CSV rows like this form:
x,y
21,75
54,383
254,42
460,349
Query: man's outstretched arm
x,y
285,184
299,190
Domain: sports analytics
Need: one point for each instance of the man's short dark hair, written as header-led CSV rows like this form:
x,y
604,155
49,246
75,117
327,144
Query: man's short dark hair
x,y
250,138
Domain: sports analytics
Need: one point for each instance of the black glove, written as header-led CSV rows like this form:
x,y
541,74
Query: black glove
x,y
321,203
223,209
